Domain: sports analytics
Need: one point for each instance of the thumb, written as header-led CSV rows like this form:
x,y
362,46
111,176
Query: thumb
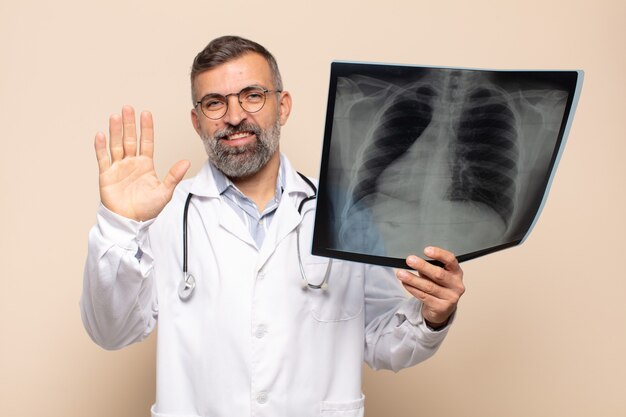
x,y
176,174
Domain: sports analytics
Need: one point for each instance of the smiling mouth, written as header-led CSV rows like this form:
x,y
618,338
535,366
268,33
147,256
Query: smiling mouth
x,y
238,135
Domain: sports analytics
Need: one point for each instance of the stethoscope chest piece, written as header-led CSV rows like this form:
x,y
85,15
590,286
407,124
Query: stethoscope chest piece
x,y
186,287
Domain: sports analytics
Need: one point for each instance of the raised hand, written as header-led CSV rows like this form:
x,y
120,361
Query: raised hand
x,y
129,185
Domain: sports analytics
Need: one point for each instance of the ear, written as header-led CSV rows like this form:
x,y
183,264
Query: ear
x,y
285,107
195,122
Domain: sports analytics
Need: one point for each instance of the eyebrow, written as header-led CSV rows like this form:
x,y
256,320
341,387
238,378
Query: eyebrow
x,y
246,87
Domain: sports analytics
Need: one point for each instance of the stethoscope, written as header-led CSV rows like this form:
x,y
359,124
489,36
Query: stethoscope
x,y
188,283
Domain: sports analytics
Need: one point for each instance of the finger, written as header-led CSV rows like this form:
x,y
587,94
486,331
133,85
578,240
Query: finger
x,y
115,133
446,257
130,131
176,174
422,284
100,144
146,138
427,299
427,269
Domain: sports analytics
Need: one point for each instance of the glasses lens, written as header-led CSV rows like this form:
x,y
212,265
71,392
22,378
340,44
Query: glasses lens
x,y
252,99
213,106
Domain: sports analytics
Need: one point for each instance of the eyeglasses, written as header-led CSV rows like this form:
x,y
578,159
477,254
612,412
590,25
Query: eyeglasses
x,y
251,99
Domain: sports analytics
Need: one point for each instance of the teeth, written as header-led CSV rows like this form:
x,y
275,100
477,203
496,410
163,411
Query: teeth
x,y
238,135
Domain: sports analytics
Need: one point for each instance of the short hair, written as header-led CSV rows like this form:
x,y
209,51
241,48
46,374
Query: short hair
x,y
227,48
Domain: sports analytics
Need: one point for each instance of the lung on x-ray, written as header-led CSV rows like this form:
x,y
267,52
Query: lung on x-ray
x,y
457,158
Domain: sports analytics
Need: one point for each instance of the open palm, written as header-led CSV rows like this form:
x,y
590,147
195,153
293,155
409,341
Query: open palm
x,y
129,185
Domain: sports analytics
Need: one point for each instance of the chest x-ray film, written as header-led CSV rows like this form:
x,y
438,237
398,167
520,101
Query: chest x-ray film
x,y
456,158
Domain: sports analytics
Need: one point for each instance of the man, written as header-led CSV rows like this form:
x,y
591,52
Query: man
x,y
249,338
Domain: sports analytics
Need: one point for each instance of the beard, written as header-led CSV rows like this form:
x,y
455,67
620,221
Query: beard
x,y
242,161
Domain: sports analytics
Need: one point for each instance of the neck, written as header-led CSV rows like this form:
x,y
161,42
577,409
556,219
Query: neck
x,y
261,187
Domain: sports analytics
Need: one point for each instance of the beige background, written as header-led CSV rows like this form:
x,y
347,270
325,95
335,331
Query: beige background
x,y
541,329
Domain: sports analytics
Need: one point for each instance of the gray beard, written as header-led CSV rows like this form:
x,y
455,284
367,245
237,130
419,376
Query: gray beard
x,y
242,161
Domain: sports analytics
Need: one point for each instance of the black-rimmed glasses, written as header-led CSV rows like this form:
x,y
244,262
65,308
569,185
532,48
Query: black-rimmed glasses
x,y
251,99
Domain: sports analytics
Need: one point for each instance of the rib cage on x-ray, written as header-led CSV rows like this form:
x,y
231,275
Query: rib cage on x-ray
x,y
400,126
486,152
476,125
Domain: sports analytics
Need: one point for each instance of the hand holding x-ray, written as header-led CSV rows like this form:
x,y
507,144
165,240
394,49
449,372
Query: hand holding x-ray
x,y
129,185
439,288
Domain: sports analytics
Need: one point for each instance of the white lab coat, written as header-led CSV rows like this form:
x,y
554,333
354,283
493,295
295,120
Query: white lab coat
x,y
250,341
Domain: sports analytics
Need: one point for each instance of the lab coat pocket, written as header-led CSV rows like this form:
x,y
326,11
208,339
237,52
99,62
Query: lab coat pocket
x,y
342,299
354,408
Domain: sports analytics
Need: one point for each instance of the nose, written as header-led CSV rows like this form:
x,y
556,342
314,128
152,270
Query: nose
x,y
235,113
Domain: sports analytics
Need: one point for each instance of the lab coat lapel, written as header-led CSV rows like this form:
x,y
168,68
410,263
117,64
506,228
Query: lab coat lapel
x,y
285,221
204,186
232,223
287,217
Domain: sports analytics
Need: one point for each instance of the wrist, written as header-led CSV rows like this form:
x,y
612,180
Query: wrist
x,y
436,326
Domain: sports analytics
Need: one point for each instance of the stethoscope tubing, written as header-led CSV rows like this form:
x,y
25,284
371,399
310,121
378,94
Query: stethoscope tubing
x,y
186,210
188,284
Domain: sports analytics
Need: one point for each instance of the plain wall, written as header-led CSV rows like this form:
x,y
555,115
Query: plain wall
x,y
541,328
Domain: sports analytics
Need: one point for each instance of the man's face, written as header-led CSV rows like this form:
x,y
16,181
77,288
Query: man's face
x,y
240,144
